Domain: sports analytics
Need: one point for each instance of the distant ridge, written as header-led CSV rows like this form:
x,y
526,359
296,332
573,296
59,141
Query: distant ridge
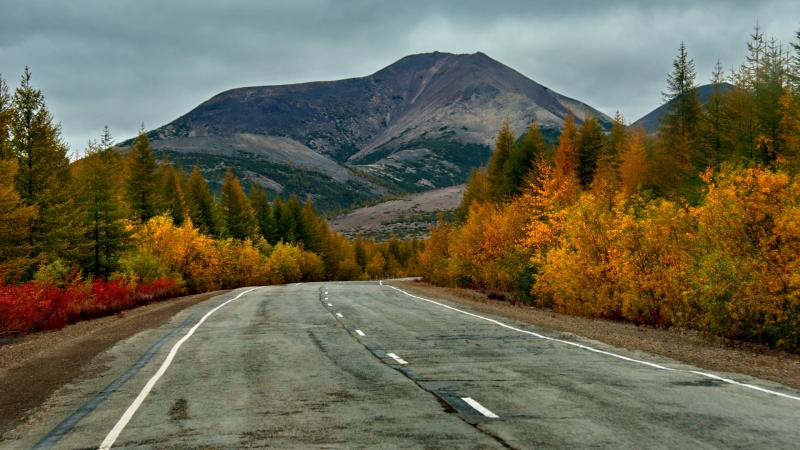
x,y
420,123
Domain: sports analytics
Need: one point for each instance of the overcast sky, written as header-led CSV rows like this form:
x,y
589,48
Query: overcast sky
x,y
121,63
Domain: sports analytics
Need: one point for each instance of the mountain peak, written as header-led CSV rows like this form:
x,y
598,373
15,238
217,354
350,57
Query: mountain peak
x,y
419,123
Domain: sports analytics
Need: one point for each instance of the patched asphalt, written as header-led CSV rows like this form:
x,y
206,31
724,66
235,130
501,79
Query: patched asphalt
x,y
279,367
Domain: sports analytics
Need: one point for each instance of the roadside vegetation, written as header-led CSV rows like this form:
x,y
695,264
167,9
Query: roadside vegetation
x,y
697,226
111,231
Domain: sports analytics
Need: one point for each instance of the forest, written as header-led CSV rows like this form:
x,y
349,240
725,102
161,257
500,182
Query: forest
x,y
694,226
115,229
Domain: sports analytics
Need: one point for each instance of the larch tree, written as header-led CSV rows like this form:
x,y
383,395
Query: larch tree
x,y
497,163
681,121
98,189
140,184
238,215
477,190
590,145
171,191
264,214
566,157
523,159
633,162
6,119
15,221
616,138
606,178
200,204
43,178
713,119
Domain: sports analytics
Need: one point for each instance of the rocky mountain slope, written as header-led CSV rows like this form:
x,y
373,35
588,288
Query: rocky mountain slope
x,y
419,124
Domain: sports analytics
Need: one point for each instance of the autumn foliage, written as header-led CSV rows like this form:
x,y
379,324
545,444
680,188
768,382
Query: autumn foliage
x,y
696,226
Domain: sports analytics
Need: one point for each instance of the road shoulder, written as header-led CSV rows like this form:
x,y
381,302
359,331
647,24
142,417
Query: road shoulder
x,y
678,344
34,366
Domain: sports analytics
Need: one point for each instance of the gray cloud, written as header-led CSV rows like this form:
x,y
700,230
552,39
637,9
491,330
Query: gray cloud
x,y
125,62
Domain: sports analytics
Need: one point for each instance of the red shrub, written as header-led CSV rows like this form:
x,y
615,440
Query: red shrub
x,y
36,305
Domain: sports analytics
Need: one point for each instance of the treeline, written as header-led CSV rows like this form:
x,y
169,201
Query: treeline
x,y
113,229
696,226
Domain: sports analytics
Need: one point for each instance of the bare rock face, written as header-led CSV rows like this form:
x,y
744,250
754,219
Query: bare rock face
x,y
421,123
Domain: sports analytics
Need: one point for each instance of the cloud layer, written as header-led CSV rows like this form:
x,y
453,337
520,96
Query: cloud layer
x,y
125,62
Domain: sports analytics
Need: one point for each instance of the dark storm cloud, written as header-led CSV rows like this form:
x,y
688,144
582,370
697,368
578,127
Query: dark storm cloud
x,y
125,62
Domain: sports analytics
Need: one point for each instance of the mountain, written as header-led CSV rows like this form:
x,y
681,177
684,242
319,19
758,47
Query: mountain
x,y
652,120
419,124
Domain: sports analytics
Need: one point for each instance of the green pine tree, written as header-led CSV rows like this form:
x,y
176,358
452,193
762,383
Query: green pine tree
x,y
591,142
43,179
682,118
98,192
237,214
496,170
140,184
6,119
201,205
523,159
263,210
171,191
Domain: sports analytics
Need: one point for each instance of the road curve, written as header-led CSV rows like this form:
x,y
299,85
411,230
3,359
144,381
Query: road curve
x,y
366,365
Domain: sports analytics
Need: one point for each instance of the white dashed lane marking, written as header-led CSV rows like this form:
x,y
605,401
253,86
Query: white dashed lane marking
x,y
360,333
397,358
480,408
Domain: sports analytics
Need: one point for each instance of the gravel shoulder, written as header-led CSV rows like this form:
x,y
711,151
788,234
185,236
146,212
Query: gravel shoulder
x,y
32,367
679,344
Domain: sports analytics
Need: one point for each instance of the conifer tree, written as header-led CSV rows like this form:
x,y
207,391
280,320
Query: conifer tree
x,y
590,145
713,118
42,178
789,131
616,139
6,118
98,192
496,170
523,159
794,66
608,162
291,220
771,79
284,221
680,123
566,157
312,229
477,190
200,204
633,162
15,221
264,214
170,191
140,184
238,215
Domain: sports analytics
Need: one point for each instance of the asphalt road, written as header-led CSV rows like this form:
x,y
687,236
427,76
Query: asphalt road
x,y
366,365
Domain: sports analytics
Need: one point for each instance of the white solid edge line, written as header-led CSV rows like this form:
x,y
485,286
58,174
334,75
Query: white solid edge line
x,y
360,333
480,408
591,349
380,282
397,358
112,435
339,315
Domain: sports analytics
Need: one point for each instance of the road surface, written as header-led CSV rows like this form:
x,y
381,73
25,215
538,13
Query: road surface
x,y
367,365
